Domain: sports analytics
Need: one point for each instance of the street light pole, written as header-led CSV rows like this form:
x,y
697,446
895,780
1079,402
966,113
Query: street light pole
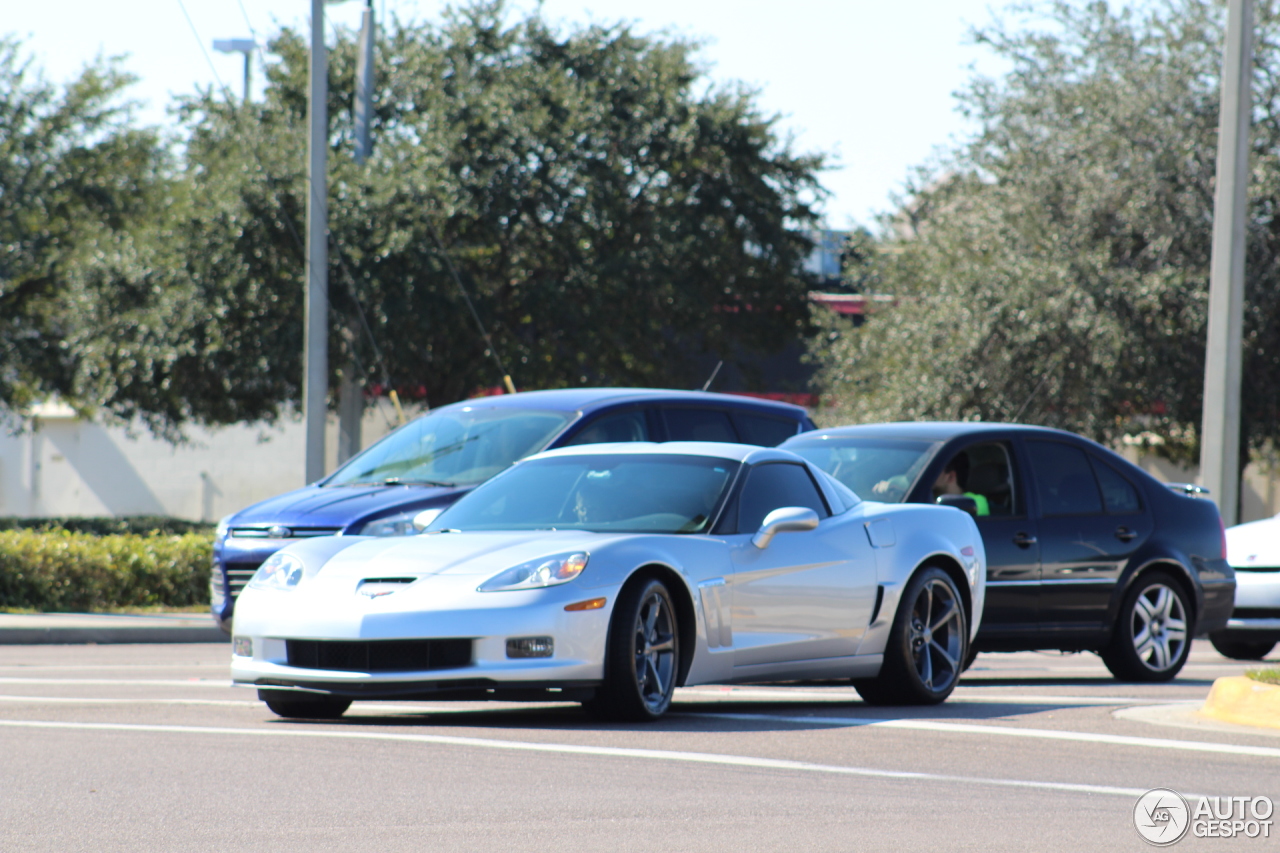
x,y
351,389
1220,431
245,46
316,334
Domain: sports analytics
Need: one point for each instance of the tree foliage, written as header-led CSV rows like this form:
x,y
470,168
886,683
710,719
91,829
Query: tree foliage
x,y
610,215
1055,268
77,179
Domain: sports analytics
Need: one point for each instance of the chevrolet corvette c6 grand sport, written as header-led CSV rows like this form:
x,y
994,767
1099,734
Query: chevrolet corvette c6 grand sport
x,y
609,574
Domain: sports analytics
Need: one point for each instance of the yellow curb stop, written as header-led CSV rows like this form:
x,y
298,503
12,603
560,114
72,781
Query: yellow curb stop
x,y
1243,701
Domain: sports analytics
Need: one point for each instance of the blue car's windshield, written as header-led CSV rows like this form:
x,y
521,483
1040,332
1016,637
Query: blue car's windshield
x,y
876,469
641,493
454,446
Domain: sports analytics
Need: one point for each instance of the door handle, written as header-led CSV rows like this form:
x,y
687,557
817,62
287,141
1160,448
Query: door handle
x,y
1023,540
1124,534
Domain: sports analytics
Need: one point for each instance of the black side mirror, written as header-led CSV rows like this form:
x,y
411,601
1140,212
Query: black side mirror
x,y
961,502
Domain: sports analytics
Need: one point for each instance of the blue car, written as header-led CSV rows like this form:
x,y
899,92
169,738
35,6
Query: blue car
x,y
435,459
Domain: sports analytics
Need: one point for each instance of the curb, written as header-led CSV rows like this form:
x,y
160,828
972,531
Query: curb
x,y
103,636
1243,701
106,628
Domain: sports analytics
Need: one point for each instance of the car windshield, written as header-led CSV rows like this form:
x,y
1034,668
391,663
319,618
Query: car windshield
x,y
460,446
876,469
638,493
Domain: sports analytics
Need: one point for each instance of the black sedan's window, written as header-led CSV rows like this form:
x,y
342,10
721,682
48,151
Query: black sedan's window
x,y
1064,479
775,485
1117,492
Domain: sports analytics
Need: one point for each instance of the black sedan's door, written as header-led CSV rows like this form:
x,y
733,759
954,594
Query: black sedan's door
x,y
1008,531
1091,522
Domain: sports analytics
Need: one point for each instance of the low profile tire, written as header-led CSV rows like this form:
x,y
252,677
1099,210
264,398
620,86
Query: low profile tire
x,y
927,648
643,656
1152,635
304,706
1237,648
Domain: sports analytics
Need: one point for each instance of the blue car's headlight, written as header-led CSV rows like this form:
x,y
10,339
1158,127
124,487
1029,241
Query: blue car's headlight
x,y
535,574
280,571
400,524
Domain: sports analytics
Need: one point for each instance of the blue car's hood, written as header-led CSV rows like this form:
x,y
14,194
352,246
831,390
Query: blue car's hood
x,y
342,506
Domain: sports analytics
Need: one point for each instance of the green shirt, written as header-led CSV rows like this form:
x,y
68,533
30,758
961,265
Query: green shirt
x,y
984,508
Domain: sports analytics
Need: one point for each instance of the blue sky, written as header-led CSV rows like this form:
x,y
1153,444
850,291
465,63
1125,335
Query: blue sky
x,y
869,82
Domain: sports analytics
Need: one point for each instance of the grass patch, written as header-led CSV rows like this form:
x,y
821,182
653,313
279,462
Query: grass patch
x,y
1270,675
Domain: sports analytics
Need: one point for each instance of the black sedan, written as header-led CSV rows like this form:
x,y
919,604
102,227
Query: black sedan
x,y
1085,551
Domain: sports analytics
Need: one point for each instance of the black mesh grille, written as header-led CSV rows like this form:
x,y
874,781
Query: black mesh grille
x,y
378,655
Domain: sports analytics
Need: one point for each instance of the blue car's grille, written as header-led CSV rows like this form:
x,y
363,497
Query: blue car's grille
x,y
378,655
238,574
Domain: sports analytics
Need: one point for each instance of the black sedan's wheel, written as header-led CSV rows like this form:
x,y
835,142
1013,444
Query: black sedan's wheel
x,y
1152,636
1237,648
304,706
643,656
927,648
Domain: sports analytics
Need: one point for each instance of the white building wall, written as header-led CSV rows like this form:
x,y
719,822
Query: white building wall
x,y
64,466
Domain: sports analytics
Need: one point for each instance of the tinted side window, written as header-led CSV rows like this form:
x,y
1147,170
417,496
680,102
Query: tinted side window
x,y
1064,479
775,485
1118,494
699,425
763,430
620,426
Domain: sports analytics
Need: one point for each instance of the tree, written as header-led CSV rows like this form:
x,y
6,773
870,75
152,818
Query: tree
x,y
1054,269
608,220
77,180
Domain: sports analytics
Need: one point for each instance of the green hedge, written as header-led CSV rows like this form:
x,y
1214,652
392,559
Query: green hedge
x,y
57,570
138,524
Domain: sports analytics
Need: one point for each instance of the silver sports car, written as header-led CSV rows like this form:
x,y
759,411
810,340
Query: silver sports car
x,y
609,574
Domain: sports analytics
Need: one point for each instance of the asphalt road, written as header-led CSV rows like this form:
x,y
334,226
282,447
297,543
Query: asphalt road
x,y
148,748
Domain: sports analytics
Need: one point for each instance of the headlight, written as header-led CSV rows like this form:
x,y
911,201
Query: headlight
x,y
224,527
538,573
400,524
280,571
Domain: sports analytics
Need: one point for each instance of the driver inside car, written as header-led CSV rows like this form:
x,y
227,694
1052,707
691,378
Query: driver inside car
x,y
954,478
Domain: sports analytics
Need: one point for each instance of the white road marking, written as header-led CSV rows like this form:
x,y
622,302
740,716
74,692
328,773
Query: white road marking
x,y
134,682
90,700
1009,731
576,749
782,694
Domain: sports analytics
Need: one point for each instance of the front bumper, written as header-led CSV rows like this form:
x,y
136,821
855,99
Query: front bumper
x,y
487,620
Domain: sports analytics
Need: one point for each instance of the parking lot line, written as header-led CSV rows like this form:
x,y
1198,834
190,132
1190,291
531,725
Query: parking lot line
x,y
1008,731
577,749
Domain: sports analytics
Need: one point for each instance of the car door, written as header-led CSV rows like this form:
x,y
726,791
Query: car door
x,y
1009,536
1083,547
807,595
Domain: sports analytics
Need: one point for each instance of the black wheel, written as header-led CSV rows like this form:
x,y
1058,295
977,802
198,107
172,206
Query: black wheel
x,y
304,706
1152,636
1238,648
642,658
927,648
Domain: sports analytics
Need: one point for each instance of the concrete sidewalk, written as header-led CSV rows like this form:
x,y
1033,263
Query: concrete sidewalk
x,y
68,628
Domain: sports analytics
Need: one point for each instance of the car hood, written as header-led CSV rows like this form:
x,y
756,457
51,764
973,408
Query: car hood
x,y
340,506
1254,544
455,553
